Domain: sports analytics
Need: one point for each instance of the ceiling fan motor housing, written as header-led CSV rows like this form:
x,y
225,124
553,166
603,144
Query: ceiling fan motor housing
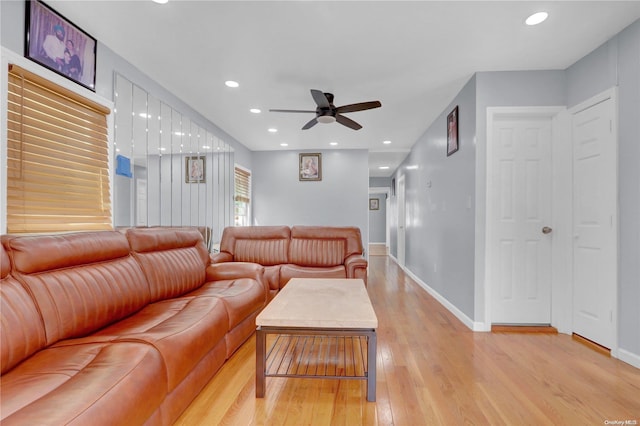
x,y
326,115
327,112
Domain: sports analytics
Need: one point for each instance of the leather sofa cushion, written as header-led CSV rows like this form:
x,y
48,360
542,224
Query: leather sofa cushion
x,y
350,235
265,245
98,383
174,260
183,330
241,297
317,252
21,328
81,282
296,271
41,253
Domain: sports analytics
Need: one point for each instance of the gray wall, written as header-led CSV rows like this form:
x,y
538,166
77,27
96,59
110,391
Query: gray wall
x,y
617,62
340,198
440,193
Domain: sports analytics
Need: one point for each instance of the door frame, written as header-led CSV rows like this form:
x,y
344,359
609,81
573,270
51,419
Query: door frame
x,y
387,192
560,210
401,260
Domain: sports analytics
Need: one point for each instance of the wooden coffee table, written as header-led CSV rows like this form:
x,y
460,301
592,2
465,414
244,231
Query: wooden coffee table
x,y
324,328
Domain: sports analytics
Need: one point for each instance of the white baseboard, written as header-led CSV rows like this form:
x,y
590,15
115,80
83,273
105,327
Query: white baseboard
x,y
629,357
444,302
621,354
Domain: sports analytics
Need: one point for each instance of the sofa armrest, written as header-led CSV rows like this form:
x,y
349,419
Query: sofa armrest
x,y
356,267
221,257
237,270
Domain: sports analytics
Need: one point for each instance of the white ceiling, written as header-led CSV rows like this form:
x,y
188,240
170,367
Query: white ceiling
x,y
413,56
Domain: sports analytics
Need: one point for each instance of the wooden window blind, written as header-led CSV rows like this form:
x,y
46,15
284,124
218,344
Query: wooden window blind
x,y
57,158
242,185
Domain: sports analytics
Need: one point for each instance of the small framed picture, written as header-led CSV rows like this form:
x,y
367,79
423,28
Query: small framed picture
x,y
195,169
452,131
310,167
374,204
55,43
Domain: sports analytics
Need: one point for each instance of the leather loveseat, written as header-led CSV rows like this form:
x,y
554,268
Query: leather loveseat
x,y
117,328
296,252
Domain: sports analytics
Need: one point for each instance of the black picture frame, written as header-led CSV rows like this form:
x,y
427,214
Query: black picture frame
x,y
54,42
374,204
452,132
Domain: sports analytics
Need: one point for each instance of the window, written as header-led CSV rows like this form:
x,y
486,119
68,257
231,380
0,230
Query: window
x,y
57,158
242,197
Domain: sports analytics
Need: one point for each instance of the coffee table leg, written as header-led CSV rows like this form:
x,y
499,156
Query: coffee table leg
x,y
371,362
260,362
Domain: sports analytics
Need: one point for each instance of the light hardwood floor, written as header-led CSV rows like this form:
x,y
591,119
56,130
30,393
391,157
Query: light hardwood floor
x,y
432,370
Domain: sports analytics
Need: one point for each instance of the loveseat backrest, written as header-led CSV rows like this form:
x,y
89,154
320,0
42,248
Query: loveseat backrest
x,y
174,260
323,245
80,282
266,245
21,327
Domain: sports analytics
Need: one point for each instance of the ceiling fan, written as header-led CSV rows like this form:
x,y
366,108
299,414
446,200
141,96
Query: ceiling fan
x,y
326,112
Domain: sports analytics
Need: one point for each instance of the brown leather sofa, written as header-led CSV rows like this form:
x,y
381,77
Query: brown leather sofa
x,y
296,252
117,328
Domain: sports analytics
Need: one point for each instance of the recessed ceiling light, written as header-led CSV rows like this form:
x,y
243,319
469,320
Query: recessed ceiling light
x,y
231,83
272,130
284,144
206,147
536,18
255,110
333,143
161,1
386,142
383,167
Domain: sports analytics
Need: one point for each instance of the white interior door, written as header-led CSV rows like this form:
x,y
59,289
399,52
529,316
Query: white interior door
x,y
401,221
520,241
595,223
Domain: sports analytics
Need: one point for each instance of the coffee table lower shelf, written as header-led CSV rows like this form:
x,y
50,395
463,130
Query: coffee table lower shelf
x,y
323,353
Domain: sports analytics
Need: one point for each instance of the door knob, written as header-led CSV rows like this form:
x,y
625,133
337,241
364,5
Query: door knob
x,y
546,230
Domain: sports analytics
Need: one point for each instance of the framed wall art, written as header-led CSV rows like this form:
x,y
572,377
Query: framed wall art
x,y
452,131
310,167
374,204
57,44
195,170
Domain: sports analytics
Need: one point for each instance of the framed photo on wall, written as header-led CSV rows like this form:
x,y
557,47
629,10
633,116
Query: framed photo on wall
x,y
452,131
310,167
374,204
194,168
57,44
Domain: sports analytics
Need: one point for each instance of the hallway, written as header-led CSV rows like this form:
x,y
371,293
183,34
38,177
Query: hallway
x,y
433,370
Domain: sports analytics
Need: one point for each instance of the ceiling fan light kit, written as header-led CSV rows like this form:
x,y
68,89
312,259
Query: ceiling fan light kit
x,y
326,119
326,112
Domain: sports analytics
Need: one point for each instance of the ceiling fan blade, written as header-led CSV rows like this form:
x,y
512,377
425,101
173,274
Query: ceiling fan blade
x,y
347,122
358,107
310,124
289,110
320,99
